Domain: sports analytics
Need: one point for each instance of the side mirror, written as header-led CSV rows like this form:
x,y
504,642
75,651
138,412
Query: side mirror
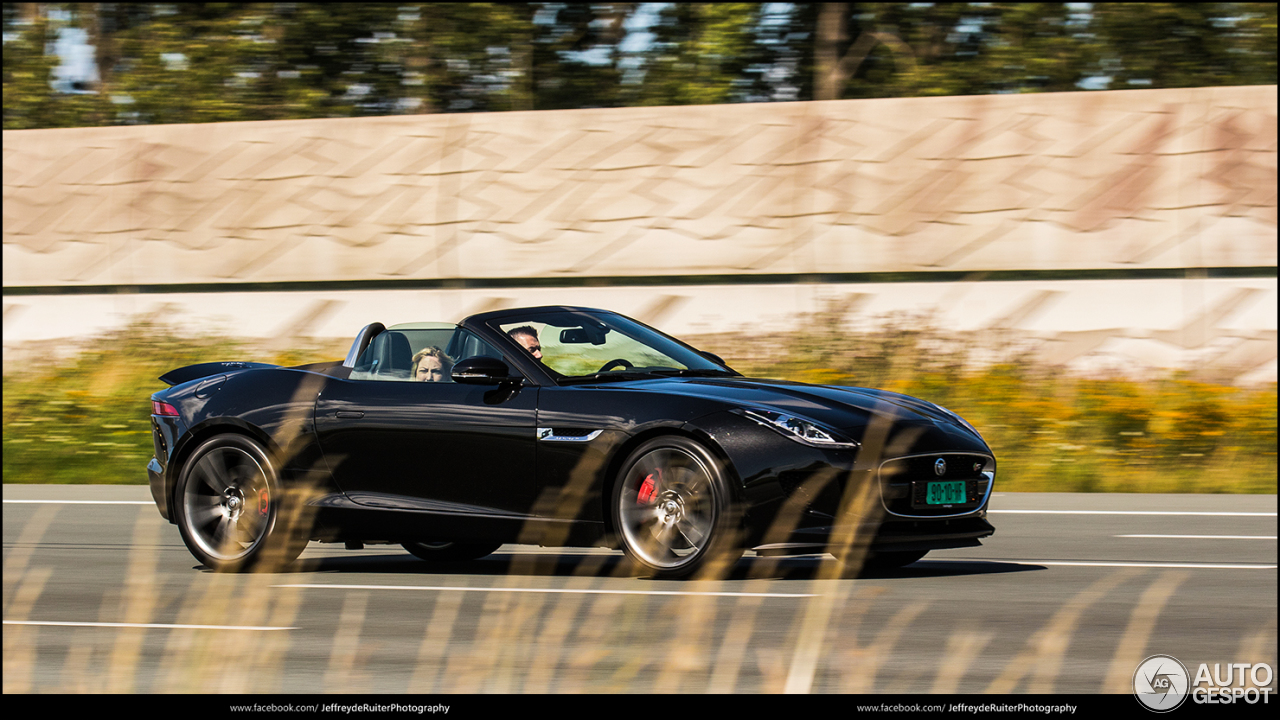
x,y
712,357
483,370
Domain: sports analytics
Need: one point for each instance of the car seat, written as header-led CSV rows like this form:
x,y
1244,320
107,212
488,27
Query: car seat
x,y
392,356
465,345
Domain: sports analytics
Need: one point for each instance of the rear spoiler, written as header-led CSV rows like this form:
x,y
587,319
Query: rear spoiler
x,y
195,372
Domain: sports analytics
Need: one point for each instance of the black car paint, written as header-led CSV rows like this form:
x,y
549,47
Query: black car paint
x,y
425,440
406,461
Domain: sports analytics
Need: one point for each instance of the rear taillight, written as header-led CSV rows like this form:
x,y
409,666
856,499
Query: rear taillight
x,y
163,408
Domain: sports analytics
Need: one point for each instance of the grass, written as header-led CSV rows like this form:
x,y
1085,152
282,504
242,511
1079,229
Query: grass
x,y
84,418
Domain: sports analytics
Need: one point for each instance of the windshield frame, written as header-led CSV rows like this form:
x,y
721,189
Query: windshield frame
x,y
489,325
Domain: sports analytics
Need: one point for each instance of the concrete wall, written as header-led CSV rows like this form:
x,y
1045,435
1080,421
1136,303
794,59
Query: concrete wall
x,y
1126,181
1140,178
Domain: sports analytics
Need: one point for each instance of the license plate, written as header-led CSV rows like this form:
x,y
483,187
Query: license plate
x,y
946,493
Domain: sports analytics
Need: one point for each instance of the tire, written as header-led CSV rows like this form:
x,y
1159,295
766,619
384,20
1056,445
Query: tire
x,y
232,510
450,551
674,511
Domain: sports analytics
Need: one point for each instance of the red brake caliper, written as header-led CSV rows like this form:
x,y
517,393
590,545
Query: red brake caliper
x,y
648,489
263,501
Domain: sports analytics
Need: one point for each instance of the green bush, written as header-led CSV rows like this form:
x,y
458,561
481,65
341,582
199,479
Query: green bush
x,y
86,418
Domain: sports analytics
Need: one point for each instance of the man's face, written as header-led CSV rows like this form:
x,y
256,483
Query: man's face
x,y
531,344
430,370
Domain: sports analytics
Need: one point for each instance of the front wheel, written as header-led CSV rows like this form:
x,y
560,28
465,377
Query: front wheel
x,y
450,551
231,509
675,511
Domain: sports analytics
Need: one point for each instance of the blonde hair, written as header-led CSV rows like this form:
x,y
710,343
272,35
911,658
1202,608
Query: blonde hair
x,y
446,363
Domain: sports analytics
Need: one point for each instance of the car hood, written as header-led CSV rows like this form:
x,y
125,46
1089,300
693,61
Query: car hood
x,y
837,406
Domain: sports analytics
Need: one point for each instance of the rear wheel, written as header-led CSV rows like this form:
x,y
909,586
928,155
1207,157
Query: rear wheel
x,y
674,510
450,551
231,509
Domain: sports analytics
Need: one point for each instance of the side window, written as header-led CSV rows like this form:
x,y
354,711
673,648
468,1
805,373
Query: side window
x,y
396,355
414,355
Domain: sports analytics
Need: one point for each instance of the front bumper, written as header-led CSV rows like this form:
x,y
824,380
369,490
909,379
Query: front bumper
x,y
890,535
932,534
898,514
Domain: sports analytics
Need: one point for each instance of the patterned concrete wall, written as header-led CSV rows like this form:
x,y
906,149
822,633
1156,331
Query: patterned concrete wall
x,y
1115,180
1127,179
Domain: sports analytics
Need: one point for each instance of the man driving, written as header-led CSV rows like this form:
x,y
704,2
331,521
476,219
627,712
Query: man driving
x,y
528,339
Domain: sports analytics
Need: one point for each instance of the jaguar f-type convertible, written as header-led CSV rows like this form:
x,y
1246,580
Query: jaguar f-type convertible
x,y
560,427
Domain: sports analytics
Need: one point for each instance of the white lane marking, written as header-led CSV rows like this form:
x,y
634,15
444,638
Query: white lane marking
x,y
1204,537
82,502
143,625
1133,512
1086,563
547,590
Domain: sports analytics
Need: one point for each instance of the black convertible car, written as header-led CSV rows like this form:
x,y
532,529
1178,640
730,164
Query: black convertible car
x,y
555,426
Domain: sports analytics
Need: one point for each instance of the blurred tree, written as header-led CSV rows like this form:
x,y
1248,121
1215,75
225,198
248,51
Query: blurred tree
x,y
904,49
897,50
160,63
1187,44
30,100
701,54
163,63
576,58
27,71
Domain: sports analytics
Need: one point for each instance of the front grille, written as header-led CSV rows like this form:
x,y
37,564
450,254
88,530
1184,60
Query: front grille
x,y
904,483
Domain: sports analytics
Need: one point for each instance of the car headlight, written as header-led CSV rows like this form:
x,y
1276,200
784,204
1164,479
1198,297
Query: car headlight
x,y
797,428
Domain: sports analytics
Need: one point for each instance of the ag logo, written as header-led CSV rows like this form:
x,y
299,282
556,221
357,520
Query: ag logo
x,y
1161,683
940,467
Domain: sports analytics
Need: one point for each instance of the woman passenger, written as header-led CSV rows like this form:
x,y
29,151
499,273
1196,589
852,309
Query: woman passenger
x,y
430,364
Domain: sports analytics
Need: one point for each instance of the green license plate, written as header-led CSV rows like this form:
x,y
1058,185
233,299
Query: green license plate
x,y
945,493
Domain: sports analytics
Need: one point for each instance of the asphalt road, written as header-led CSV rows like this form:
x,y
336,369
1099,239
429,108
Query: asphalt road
x,y
1070,595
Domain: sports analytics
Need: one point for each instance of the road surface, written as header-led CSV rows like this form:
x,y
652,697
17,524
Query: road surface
x,y
1071,593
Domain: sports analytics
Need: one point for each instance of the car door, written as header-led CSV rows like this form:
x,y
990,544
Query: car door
x,y
391,442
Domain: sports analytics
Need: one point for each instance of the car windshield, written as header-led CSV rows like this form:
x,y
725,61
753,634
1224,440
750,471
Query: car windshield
x,y
579,346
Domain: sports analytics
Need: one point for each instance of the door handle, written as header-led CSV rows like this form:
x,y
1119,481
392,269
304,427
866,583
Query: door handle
x,y
349,414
